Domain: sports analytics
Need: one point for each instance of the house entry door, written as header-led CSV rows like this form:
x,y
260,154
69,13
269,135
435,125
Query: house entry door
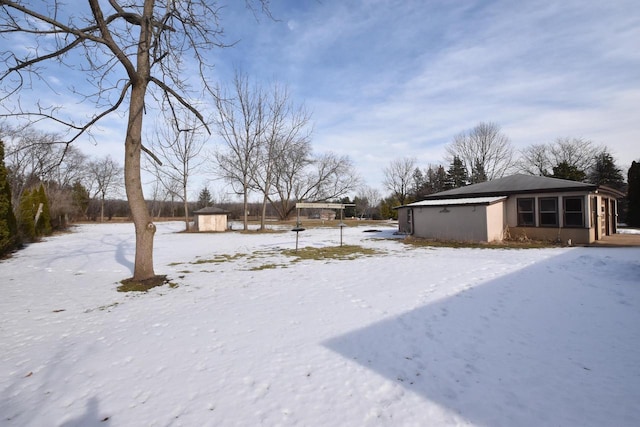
x,y
594,217
604,214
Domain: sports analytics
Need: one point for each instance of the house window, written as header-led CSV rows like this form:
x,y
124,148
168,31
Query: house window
x,y
526,213
548,211
573,212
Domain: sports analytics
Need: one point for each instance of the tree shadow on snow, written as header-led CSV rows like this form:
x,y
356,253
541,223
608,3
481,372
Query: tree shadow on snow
x,y
90,418
555,343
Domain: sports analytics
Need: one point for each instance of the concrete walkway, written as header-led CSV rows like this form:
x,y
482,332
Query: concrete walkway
x,y
618,240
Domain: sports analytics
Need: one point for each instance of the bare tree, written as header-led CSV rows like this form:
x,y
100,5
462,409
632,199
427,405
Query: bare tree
x,y
178,148
577,153
534,160
105,177
127,50
483,148
240,123
399,179
301,177
285,128
31,157
288,171
367,200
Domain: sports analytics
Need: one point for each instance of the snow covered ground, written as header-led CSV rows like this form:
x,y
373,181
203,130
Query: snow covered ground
x,y
407,337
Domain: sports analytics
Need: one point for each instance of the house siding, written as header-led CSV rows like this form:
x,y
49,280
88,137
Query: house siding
x,y
599,219
495,222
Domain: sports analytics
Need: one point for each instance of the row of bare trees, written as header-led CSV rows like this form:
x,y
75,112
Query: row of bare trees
x,y
266,149
70,177
485,153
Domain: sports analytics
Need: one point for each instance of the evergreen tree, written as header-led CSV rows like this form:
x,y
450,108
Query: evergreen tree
x,y
81,198
386,208
8,226
633,195
478,173
440,179
204,198
418,184
605,172
27,215
566,171
43,226
457,174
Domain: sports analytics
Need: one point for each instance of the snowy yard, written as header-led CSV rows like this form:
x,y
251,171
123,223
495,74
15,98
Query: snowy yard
x,y
407,337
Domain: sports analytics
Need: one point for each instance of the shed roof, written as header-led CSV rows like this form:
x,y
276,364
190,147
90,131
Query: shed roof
x,y
514,184
457,202
211,210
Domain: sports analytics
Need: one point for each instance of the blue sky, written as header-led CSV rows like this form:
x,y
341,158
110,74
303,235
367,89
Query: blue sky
x,y
389,79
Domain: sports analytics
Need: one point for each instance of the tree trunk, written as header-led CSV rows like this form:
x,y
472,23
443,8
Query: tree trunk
x,y
186,206
144,226
245,205
264,213
143,222
102,209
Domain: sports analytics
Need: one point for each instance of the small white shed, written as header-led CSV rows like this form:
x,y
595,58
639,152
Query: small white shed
x,y
210,219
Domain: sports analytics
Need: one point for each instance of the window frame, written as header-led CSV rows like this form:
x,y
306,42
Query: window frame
x,y
566,212
521,212
542,214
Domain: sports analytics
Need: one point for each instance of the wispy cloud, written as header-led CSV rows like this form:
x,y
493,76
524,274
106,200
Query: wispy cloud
x,y
394,78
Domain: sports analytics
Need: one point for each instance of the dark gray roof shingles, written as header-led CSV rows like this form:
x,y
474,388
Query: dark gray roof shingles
x,y
514,184
211,210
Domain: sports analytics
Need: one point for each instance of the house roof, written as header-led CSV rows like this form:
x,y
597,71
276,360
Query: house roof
x,y
515,184
457,202
211,210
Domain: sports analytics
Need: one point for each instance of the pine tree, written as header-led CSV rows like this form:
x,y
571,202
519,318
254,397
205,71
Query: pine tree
x,y
81,198
457,174
633,195
571,172
204,199
27,215
386,208
418,184
440,179
478,174
605,172
43,227
8,226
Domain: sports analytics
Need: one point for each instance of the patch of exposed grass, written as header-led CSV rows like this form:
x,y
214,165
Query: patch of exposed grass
x,y
107,307
131,285
345,252
266,231
262,260
506,244
218,258
268,266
